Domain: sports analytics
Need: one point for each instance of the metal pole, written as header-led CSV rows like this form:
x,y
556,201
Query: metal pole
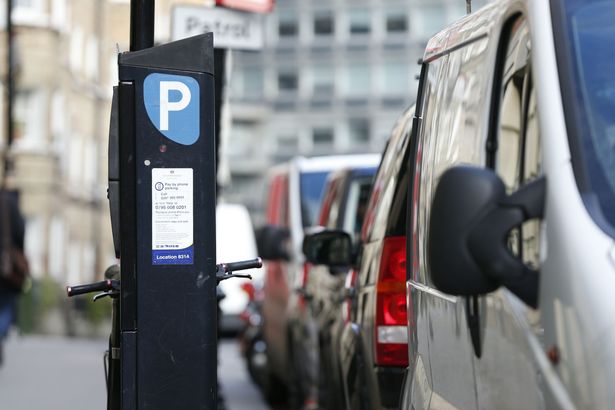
x,y
468,6
141,24
10,87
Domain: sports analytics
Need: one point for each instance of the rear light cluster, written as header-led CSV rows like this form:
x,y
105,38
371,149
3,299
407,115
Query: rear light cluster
x,y
391,315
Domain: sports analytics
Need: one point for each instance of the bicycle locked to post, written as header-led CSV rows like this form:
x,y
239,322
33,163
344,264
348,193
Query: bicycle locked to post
x,y
111,287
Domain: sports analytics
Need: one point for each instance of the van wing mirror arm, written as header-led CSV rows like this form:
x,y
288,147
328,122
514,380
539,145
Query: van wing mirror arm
x,y
488,240
530,198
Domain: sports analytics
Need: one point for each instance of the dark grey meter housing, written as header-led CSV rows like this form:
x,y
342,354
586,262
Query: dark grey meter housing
x,y
164,193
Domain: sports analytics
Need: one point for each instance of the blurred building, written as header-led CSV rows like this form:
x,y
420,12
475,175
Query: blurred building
x,y
332,78
65,52
65,68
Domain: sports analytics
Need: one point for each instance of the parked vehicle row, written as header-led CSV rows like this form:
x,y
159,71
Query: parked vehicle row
x,y
482,274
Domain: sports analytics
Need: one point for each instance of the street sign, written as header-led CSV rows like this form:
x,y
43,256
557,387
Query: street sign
x,y
232,29
257,6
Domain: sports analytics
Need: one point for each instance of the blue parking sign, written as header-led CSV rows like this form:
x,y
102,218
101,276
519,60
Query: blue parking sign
x,y
172,105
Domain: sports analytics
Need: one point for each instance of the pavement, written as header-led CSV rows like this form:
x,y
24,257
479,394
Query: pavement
x,y
52,373
56,373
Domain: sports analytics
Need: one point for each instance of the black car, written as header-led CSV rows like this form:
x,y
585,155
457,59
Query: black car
x,y
322,288
373,350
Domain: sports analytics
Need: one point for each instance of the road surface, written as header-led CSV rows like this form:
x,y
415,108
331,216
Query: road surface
x,y
67,374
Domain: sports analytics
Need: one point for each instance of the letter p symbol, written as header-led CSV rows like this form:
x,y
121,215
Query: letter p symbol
x,y
165,105
172,103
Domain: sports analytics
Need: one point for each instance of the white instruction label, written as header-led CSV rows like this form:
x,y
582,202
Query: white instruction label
x,y
172,216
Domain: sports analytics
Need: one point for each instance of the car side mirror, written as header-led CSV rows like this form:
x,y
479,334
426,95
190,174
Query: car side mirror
x,y
328,247
273,243
471,217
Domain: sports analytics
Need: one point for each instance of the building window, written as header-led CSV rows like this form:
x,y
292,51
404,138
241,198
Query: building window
x,y
29,12
58,115
253,83
357,80
396,22
288,144
323,80
359,130
57,241
433,19
91,59
58,15
288,81
394,78
288,26
34,245
359,21
30,113
76,50
322,137
324,24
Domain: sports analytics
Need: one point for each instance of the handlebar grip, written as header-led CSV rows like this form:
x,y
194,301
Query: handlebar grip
x,y
90,287
242,265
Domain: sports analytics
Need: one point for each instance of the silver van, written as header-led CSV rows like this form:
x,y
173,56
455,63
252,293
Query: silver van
x,y
511,253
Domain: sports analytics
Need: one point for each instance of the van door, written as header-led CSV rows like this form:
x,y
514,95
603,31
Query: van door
x,y
506,375
453,102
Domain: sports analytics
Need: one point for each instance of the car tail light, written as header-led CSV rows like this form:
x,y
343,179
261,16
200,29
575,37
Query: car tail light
x,y
249,289
391,316
305,275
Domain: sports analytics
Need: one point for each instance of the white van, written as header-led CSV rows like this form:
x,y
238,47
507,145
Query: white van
x,y
235,242
511,257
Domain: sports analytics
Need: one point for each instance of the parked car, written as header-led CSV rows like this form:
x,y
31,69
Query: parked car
x,y
235,241
512,218
321,291
293,200
373,350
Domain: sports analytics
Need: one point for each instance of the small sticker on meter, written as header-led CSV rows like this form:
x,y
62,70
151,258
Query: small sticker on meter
x,y
172,216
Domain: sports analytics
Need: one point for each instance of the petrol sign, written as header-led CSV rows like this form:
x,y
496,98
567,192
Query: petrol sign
x,y
232,29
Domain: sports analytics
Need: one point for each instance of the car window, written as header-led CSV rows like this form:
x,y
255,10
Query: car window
x,y
356,205
386,183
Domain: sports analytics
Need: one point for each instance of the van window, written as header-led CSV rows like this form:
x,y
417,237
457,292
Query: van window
x,y
451,133
312,185
585,53
518,155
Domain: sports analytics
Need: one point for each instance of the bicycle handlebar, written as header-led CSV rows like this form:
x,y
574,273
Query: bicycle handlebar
x,y
102,286
242,265
224,271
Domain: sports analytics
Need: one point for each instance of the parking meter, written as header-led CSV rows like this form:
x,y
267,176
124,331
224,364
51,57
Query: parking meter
x,y
162,197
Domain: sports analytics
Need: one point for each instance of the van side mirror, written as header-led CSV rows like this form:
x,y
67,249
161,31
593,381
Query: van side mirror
x,y
471,218
328,247
273,243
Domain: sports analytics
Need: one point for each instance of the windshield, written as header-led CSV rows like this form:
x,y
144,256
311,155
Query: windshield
x,y
312,185
589,26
